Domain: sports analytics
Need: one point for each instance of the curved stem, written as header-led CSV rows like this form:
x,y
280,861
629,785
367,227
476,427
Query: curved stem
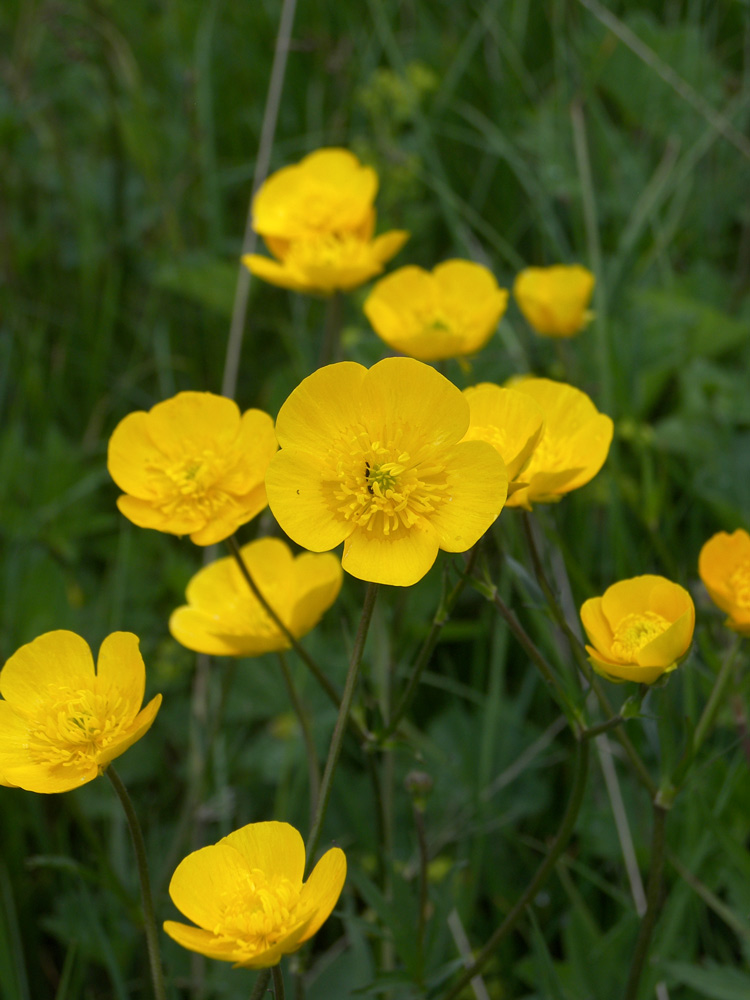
x,y
278,982
261,985
149,919
653,894
341,722
542,874
313,768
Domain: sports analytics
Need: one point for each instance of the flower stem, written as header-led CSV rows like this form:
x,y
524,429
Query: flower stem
x,y
542,874
149,920
313,767
278,982
341,721
653,893
329,351
261,985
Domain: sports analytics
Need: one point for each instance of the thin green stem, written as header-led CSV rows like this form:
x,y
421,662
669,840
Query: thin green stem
x,y
542,874
603,727
341,722
329,351
149,919
278,982
653,899
261,985
423,863
313,768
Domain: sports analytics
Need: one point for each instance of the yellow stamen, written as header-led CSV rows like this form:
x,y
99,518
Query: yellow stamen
x,y
634,632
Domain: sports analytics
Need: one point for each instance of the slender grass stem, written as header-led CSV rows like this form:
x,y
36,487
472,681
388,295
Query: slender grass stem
x,y
313,767
278,982
341,722
540,877
331,346
149,918
653,894
261,985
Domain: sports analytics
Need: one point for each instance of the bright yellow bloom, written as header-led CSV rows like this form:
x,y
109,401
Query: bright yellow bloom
x,y
224,618
247,895
724,567
61,723
573,448
317,219
555,300
512,422
373,459
447,313
192,465
640,629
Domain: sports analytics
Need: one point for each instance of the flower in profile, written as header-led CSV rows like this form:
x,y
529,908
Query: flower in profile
x,y
317,219
62,722
724,567
247,896
447,313
555,300
573,447
375,459
192,465
224,618
512,422
639,629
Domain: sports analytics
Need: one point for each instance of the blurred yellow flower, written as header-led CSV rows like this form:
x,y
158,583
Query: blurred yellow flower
x,y
573,447
317,219
192,465
224,618
247,896
512,422
447,313
640,629
62,722
373,459
724,567
555,299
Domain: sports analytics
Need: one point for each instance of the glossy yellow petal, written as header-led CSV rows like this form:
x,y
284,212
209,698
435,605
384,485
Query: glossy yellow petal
x,y
592,444
724,568
196,630
50,661
47,780
300,502
140,726
131,449
669,647
627,596
277,849
325,405
596,625
388,244
322,890
512,422
201,941
400,558
477,488
276,273
317,583
204,877
555,300
120,670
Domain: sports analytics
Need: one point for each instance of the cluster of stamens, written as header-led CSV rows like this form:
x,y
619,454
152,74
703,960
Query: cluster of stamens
x,y
635,631
258,912
192,484
75,726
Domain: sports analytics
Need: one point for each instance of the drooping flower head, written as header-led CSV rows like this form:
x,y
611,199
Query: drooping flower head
x,y
373,459
639,629
724,567
317,219
512,422
62,722
192,465
555,300
573,447
449,312
224,618
247,896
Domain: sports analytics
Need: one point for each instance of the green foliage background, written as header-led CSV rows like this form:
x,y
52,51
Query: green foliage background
x,y
509,131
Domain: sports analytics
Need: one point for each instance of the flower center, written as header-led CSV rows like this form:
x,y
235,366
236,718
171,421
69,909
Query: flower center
x,y
380,486
739,581
327,251
75,726
635,631
190,484
258,912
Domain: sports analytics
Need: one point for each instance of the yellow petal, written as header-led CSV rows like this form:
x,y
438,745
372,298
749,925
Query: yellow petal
x,y
54,659
201,941
478,485
597,627
555,300
669,647
629,597
141,724
47,780
276,273
300,504
120,669
317,582
277,849
324,406
511,421
197,630
400,558
131,449
388,244
591,443
203,878
321,891
619,672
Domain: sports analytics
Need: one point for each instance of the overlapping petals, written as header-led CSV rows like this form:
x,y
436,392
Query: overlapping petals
x,y
62,722
192,465
639,629
375,459
447,313
224,618
247,897
724,567
555,300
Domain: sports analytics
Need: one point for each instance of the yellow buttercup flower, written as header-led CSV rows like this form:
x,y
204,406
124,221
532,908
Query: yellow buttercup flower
x,y
192,465
247,896
724,567
373,459
223,616
447,313
639,629
555,300
512,422
317,219
62,722
573,447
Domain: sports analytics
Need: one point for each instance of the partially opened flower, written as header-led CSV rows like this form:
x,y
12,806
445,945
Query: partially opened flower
x,y
512,422
192,465
573,447
724,567
224,618
375,459
317,219
449,312
247,896
61,721
555,300
639,629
